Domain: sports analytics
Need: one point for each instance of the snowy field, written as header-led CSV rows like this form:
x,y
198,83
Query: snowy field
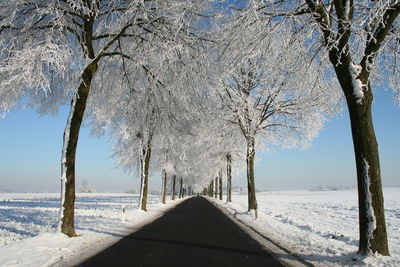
x,y
321,227
28,223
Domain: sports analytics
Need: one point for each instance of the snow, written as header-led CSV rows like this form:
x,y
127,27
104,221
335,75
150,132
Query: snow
x,y
28,224
321,227
64,162
347,10
370,210
355,71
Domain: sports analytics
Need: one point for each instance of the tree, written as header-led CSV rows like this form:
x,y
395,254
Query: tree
x,y
360,41
181,188
52,52
164,186
220,184
63,44
85,187
173,187
228,178
268,97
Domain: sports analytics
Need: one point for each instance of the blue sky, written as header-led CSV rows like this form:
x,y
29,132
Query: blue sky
x,y
31,150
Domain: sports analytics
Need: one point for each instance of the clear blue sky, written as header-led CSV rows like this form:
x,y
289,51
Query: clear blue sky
x,y
31,150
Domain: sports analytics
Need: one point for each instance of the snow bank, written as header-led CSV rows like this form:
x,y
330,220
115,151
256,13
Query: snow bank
x,y
28,223
320,227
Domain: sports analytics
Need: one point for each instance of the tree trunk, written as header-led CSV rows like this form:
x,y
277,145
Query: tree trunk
x,y
71,134
216,187
229,177
145,175
164,186
181,189
372,226
173,187
251,188
220,185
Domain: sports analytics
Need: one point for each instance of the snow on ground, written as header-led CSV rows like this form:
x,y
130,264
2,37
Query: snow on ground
x,y
28,223
321,227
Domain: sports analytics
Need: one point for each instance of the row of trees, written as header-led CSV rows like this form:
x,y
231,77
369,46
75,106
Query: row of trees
x,y
194,88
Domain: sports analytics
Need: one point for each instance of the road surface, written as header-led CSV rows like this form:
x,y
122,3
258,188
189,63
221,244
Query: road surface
x,y
194,233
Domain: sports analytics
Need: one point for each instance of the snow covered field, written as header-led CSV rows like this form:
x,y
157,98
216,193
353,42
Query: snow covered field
x,y
319,226
28,222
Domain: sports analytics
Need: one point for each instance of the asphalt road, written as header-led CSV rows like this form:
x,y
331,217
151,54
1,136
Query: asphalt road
x,y
195,233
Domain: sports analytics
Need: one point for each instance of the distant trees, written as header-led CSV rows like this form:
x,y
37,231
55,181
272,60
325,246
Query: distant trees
x,y
85,188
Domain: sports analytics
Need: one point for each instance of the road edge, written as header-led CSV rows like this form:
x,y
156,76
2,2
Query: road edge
x,y
278,252
88,252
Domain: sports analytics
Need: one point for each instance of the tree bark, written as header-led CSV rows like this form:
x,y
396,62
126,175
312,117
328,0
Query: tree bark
x,y
173,187
229,177
190,191
145,175
181,189
220,185
164,186
216,187
251,188
372,225
71,135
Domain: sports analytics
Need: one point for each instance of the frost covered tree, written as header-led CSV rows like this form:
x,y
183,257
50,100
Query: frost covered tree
x,y
269,97
360,40
54,51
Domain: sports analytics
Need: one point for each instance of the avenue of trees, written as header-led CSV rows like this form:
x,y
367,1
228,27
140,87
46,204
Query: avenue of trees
x,y
190,90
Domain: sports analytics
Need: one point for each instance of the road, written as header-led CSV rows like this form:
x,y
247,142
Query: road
x,y
194,233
